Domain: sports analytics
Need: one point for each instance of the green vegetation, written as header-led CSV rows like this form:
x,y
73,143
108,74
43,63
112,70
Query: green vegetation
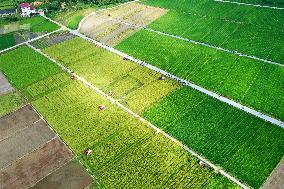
x,y
250,30
7,40
133,85
10,102
276,3
6,4
126,152
241,143
72,16
254,83
39,24
24,66
220,132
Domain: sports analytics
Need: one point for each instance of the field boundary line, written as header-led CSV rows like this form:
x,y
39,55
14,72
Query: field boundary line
x,y
22,129
192,41
51,172
158,130
25,155
30,40
110,8
249,4
180,80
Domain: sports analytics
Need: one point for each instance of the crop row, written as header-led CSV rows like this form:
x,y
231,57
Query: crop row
x,y
253,83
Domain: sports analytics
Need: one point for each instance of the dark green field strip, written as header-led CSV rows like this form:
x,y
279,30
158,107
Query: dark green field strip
x,y
6,41
271,3
243,144
250,30
24,66
253,83
114,136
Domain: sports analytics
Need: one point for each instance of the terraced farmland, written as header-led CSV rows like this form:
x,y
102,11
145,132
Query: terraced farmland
x,y
125,150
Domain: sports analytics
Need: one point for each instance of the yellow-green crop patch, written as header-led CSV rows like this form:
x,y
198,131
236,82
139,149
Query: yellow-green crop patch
x,y
11,102
135,86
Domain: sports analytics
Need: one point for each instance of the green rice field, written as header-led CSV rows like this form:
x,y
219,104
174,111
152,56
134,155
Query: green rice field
x,y
256,84
125,149
243,28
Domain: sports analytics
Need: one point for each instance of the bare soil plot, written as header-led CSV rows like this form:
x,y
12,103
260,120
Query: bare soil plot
x,y
16,121
135,13
276,179
111,32
70,176
35,166
5,86
23,142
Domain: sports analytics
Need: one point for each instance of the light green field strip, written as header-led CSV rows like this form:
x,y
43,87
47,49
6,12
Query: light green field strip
x,y
275,4
126,152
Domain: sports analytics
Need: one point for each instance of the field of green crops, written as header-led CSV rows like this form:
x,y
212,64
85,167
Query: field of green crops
x,y
11,102
7,4
27,61
39,24
254,83
250,30
126,152
72,16
220,132
244,145
276,3
7,40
